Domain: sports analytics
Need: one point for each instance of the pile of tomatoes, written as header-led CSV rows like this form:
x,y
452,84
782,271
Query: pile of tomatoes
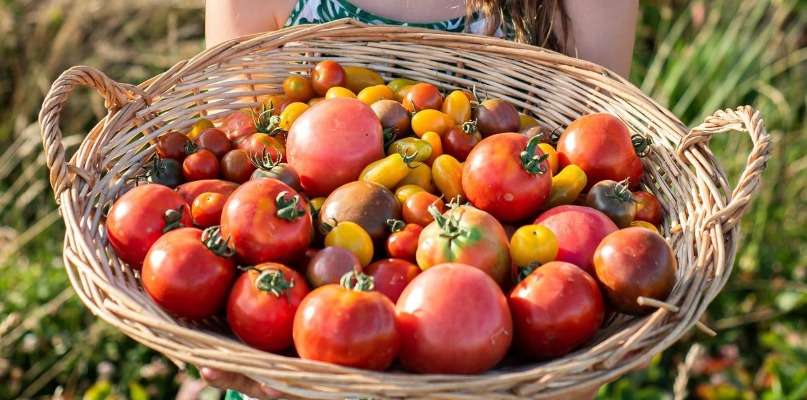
x,y
359,223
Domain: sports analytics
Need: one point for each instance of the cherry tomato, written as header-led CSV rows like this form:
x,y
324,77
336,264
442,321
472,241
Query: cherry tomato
x,y
237,125
214,140
567,185
578,230
392,116
263,145
416,208
533,244
525,121
391,275
266,168
552,156
138,218
447,176
165,171
601,145
184,263
266,220
372,94
191,190
419,175
453,319
436,144
298,88
414,148
202,164
172,145
396,85
328,155
347,325
557,308
200,125
368,204
236,166
403,244
360,78
291,113
351,236
613,199
458,143
329,265
338,91
431,120
457,106
262,304
325,75
634,262
206,209
644,224
648,208
389,170
422,96
507,176
404,191
496,116
467,235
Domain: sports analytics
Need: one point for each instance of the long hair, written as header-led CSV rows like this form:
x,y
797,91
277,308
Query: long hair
x,y
532,20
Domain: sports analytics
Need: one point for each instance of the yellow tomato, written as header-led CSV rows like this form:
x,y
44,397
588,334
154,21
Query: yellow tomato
x,y
298,88
404,191
338,91
567,185
552,160
533,244
370,95
644,224
431,120
290,114
198,127
447,176
420,175
358,78
525,121
436,145
457,106
351,237
388,171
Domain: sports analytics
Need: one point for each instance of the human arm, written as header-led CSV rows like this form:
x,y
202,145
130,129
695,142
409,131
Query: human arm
x,y
228,19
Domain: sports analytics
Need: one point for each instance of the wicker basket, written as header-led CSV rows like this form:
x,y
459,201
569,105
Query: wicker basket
x,y
701,223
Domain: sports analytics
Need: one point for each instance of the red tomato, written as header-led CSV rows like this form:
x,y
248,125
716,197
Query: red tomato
x,y
262,145
416,208
507,176
266,220
326,154
191,190
391,275
601,145
422,96
353,326
214,140
172,145
139,217
262,303
236,166
202,164
238,125
648,208
579,231
187,273
327,74
557,308
459,144
330,264
404,243
453,319
206,209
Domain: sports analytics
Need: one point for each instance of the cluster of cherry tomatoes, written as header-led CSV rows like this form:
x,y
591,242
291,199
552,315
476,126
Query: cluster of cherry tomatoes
x,y
359,222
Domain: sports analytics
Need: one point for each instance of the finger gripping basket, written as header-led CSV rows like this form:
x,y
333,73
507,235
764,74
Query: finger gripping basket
x,y
701,222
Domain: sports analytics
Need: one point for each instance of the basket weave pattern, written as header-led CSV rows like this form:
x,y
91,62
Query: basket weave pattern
x,y
702,212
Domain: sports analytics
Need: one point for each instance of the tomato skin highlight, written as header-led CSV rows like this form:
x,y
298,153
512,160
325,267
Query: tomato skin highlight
x,y
495,179
137,219
449,331
179,267
260,318
556,308
579,231
391,275
256,231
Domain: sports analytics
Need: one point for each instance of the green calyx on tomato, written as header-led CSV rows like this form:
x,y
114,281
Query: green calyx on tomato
x,y
164,171
273,281
191,147
287,208
266,122
533,163
621,191
395,225
641,144
358,281
265,161
524,272
173,219
450,225
389,136
211,238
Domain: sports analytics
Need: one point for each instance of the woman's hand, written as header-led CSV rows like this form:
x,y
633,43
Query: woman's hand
x,y
239,383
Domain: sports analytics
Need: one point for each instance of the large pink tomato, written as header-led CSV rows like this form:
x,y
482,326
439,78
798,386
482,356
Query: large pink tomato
x,y
332,142
579,231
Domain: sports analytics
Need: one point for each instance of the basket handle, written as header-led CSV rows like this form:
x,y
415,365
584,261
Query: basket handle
x,y
743,118
115,94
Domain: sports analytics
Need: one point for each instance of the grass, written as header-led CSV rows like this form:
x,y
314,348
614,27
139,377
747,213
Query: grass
x,y
692,56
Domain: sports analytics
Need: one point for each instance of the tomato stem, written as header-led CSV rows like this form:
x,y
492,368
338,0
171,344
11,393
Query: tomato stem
x,y
621,191
211,237
450,225
265,161
190,147
533,163
265,121
641,144
173,218
395,225
525,271
288,208
358,281
273,281
389,135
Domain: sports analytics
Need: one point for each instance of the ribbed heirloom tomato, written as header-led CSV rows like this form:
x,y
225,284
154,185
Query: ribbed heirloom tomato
x,y
139,217
453,319
266,220
262,303
507,176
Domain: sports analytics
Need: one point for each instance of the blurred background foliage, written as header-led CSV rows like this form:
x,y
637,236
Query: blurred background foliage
x,y
691,56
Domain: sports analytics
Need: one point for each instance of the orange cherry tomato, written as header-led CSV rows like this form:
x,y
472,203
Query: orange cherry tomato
x,y
422,96
431,120
206,209
338,91
436,144
327,74
298,88
416,208
447,176
458,106
371,94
